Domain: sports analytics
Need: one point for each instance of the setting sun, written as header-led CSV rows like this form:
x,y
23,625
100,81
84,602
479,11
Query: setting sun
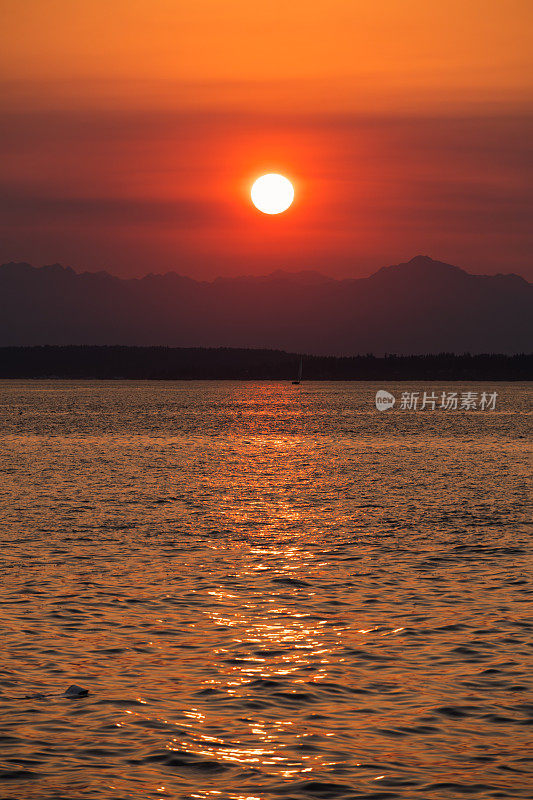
x,y
272,193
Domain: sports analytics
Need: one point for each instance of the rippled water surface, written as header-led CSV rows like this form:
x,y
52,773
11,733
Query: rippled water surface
x,y
270,591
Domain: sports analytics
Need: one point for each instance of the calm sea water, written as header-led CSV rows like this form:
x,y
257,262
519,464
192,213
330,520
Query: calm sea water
x,y
270,592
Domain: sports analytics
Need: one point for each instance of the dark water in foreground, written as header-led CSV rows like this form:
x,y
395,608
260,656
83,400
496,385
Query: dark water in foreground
x,y
270,592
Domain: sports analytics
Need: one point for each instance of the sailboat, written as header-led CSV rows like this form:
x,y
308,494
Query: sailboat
x,y
299,378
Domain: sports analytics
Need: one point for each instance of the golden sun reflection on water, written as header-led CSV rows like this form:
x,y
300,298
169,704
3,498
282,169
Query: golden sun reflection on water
x,y
272,640
290,643
267,593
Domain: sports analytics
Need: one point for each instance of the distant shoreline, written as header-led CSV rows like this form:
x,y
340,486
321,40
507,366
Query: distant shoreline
x,y
235,364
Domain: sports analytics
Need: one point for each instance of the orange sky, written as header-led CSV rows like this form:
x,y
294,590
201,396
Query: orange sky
x,y
134,129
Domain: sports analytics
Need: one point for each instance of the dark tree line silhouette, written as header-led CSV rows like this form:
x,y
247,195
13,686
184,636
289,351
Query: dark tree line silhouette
x,y
176,363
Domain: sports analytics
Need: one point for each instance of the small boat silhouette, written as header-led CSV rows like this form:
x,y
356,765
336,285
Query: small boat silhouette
x,y
299,378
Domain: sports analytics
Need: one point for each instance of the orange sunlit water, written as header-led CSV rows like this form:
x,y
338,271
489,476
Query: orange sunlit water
x,y
264,587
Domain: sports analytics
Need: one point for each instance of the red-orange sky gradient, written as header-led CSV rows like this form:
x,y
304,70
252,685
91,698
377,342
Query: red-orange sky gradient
x,y
132,132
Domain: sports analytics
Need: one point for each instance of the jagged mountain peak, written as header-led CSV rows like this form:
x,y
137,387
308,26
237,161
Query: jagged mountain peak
x,y
421,305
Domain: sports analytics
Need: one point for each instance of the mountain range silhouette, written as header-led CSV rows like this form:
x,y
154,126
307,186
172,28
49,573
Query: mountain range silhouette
x,y
421,306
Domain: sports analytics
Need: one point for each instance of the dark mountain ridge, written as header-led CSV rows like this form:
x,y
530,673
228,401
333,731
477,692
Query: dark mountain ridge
x,y
421,306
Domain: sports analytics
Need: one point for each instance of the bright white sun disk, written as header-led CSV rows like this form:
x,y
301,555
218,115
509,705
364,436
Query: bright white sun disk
x,y
272,193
